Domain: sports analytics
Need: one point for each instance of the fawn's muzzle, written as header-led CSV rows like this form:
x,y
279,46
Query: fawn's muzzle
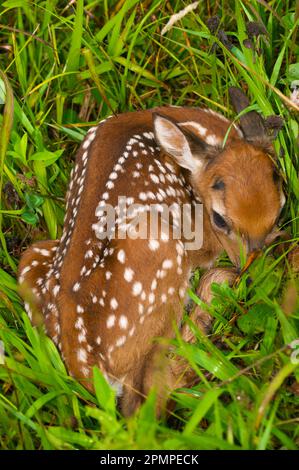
x,y
255,244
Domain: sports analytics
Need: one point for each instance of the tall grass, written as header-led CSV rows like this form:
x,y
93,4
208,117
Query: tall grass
x,y
65,66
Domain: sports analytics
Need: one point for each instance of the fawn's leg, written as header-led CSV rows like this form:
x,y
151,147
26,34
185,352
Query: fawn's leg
x,y
152,373
132,397
181,373
158,376
165,374
34,279
200,317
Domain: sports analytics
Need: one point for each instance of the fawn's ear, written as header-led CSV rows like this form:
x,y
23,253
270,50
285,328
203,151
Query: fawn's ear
x,y
251,123
188,150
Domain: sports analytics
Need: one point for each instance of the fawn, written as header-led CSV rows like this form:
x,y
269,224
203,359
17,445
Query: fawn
x,y
104,299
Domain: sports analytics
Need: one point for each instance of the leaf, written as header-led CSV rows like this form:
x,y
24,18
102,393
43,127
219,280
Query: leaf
x,y
48,205
133,67
295,128
274,385
115,20
270,333
67,437
73,134
42,401
289,332
279,60
147,419
104,392
21,148
255,320
48,158
15,3
73,58
2,92
33,200
30,218
5,132
203,407
293,72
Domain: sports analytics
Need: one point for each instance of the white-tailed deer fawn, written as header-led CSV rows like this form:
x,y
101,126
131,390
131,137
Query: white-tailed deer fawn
x,y
104,299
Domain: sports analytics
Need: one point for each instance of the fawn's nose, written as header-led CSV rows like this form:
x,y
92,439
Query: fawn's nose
x,y
255,244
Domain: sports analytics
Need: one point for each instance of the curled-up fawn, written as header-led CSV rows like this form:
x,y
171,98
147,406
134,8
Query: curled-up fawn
x,y
104,296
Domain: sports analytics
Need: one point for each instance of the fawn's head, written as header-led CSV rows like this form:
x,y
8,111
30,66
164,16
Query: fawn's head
x,y
238,184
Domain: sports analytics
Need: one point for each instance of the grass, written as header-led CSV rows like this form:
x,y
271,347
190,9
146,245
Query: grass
x,y
66,65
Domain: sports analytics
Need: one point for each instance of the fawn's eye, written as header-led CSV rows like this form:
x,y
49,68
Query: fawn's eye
x,y
218,185
219,221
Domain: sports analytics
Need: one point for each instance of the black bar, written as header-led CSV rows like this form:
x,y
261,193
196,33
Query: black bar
x,y
143,458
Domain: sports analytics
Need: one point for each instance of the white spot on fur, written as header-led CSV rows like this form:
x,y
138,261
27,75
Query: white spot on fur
x,y
212,140
128,274
113,303
137,288
82,355
110,321
167,264
153,245
123,322
56,290
120,341
42,251
76,287
121,256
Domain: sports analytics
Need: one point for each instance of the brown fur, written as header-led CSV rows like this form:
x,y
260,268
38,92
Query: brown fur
x,y
251,200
